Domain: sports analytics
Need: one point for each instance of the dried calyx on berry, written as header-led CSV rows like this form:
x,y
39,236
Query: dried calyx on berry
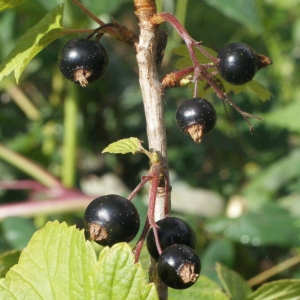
x,y
179,266
238,63
196,117
83,61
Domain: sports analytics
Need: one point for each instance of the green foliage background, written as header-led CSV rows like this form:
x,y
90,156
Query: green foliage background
x,y
263,169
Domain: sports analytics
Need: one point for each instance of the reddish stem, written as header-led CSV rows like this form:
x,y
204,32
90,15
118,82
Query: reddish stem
x,y
99,29
168,17
22,185
89,13
153,176
145,179
190,42
31,208
111,31
140,242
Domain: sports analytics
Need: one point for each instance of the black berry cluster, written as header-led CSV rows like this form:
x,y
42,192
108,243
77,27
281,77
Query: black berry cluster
x,y
196,117
178,265
83,61
111,219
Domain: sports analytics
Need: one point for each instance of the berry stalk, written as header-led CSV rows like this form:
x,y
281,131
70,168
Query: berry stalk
x,y
121,33
89,13
190,43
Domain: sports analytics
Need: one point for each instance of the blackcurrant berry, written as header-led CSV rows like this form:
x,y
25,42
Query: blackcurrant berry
x,y
196,117
238,63
179,266
83,61
111,219
171,231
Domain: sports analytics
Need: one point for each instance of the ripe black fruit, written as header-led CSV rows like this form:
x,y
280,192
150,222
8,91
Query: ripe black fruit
x,y
83,61
179,266
196,117
111,219
171,231
238,63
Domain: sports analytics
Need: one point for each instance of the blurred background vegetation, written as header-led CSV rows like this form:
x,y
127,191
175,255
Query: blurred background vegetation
x,y
243,189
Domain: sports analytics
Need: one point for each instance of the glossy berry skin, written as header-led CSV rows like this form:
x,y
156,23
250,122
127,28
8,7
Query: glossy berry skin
x,y
83,61
238,63
171,231
196,117
111,219
179,266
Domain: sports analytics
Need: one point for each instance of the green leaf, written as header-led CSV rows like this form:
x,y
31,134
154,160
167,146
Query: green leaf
x,y
8,4
277,290
32,42
59,264
18,231
220,250
124,146
7,260
271,225
203,289
285,116
262,93
242,11
265,185
116,265
235,286
44,267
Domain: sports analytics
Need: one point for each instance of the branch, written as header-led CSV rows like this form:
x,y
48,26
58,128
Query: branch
x,y
42,200
153,105
33,208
